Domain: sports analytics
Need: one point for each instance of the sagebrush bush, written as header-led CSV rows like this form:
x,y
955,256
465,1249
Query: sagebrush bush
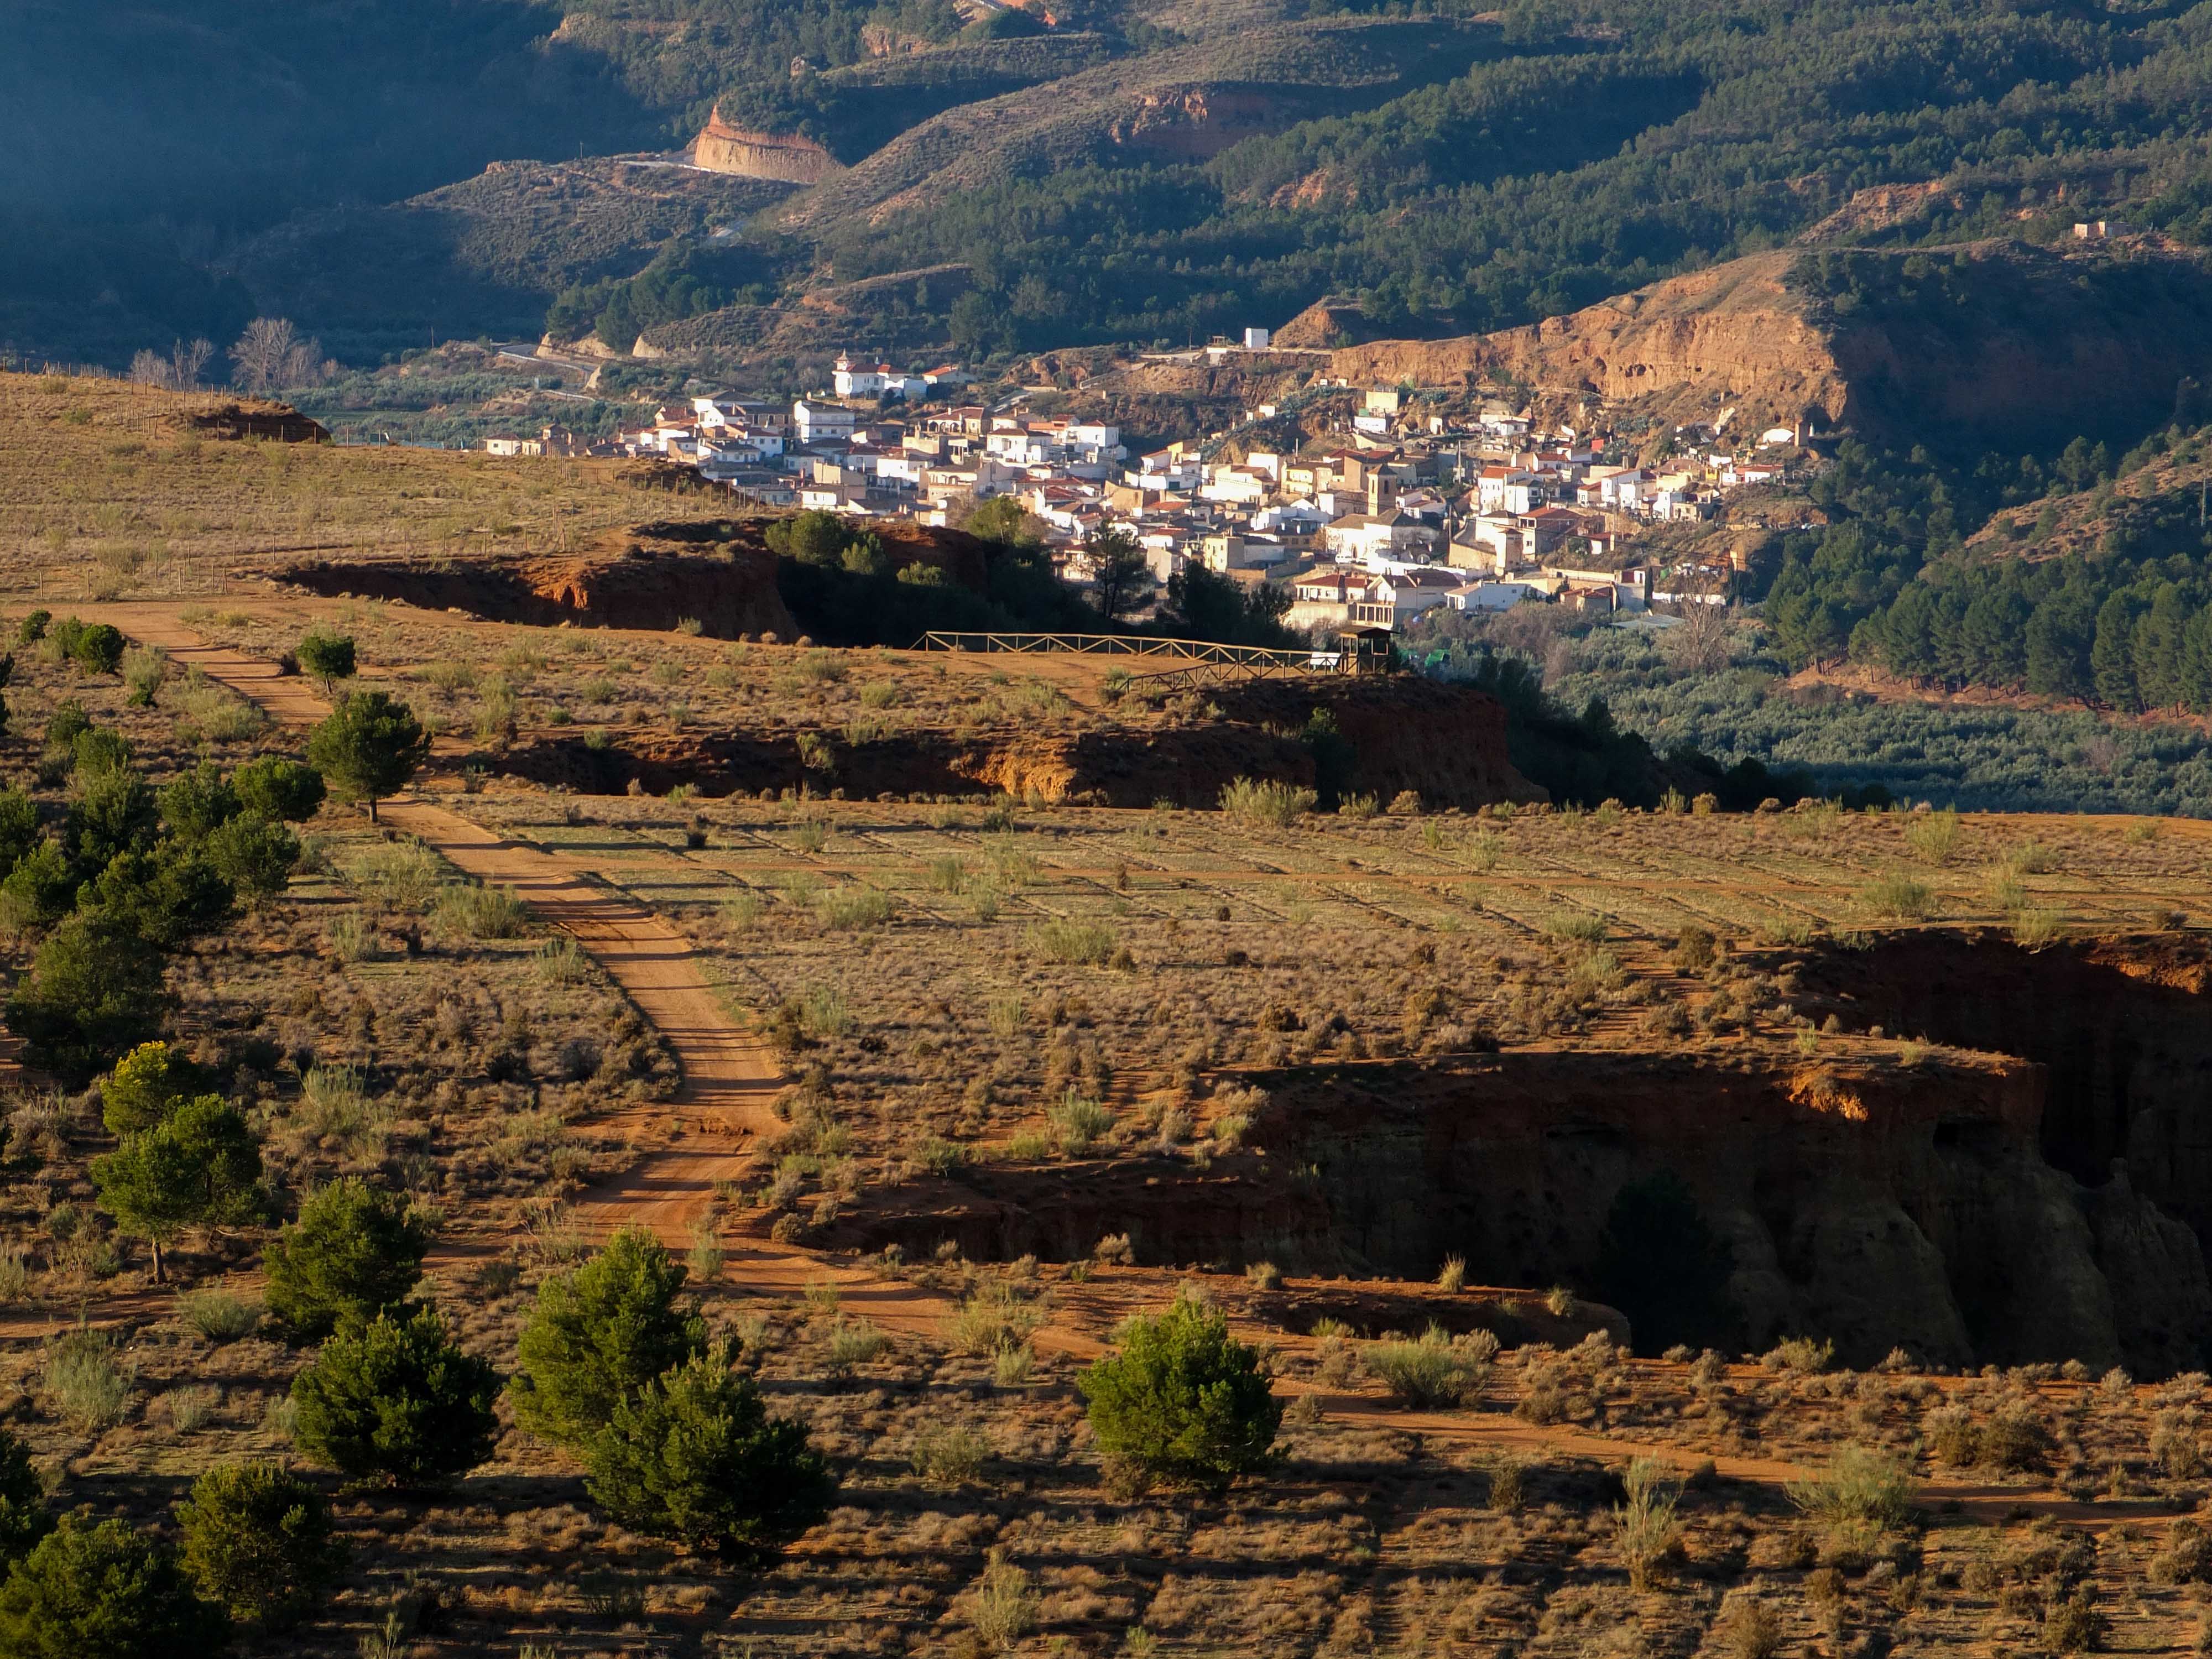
x,y
1437,1370
1079,1124
218,1315
1863,1488
91,1385
1265,804
949,1454
991,1319
1649,1534
1899,897
1078,943
483,912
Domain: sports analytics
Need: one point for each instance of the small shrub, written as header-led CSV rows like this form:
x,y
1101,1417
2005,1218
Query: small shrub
x,y
1006,1604
1864,1489
855,1342
1453,1277
2014,1440
1079,1124
191,1409
1183,1401
844,908
1012,1364
560,961
218,1315
1083,943
405,875
1898,897
1933,836
825,1013
483,912
949,1454
1572,928
90,1387
1265,804
145,670
258,1541
1509,1484
993,1318
1650,1536
1799,1353
1436,1370
1748,1629
98,649
2073,1625
1357,808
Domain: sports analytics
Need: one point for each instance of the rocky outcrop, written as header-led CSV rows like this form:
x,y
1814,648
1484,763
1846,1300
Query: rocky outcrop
x,y
721,147
1194,124
1107,764
2042,342
1881,1206
729,592
1732,329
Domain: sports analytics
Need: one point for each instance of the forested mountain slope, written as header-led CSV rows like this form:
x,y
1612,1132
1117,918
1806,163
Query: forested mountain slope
x,y
1134,172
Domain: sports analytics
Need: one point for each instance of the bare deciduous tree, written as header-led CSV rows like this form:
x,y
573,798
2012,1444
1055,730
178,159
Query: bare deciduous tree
x,y
151,368
188,360
1700,641
260,356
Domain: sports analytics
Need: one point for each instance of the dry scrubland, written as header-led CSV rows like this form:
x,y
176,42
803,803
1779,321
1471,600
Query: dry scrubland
x,y
109,489
1013,983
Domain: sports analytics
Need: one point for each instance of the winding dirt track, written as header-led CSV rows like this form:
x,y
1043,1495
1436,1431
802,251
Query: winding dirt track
x,y
730,1077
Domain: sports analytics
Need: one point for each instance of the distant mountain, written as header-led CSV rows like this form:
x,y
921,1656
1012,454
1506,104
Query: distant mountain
x,y
1140,171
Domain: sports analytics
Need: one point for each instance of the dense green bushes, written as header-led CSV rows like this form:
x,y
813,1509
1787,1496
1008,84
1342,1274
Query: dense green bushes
x,y
104,1590
130,875
355,1251
600,1334
396,1401
693,1456
258,1542
1183,1400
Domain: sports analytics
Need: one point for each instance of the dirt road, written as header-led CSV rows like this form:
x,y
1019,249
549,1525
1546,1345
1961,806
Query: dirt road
x,y
722,1109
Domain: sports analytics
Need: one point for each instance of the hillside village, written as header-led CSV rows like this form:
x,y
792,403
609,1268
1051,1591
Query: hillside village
x,y
1406,502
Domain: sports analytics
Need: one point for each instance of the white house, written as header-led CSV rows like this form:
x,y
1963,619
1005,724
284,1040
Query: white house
x,y
1289,518
815,419
1361,535
1488,596
858,379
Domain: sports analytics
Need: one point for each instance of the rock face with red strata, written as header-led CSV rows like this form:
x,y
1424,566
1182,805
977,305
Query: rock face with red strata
x,y
721,147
